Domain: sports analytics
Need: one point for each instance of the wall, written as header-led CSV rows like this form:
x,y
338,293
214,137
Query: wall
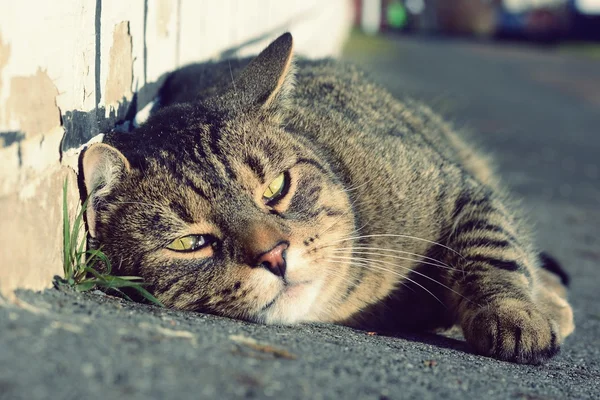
x,y
72,69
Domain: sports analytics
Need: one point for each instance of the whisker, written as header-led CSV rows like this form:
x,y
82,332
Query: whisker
x,y
437,263
399,235
352,188
408,269
367,263
337,220
355,231
345,213
337,274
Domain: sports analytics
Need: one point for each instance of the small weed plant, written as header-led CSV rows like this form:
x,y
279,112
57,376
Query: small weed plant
x,y
79,263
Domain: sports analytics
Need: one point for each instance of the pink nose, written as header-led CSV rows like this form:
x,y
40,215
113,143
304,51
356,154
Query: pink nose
x,y
274,259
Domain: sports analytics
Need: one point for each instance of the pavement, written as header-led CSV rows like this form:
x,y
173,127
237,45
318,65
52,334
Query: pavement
x,y
536,110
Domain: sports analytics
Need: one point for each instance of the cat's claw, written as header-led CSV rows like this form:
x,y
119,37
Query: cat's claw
x,y
513,330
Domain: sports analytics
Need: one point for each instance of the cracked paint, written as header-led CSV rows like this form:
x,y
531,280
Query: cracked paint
x,y
35,223
163,17
32,104
120,73
4,56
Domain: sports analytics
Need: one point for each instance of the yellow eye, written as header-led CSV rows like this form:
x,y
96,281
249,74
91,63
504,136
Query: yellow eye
x,y
276,189
188,243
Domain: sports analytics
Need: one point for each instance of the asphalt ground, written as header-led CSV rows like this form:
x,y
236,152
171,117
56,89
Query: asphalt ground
x,y
535,109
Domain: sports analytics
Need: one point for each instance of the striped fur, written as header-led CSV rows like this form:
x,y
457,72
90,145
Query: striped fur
x,y
391,220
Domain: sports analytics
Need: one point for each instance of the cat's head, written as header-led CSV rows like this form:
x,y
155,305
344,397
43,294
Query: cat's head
x,y
221,210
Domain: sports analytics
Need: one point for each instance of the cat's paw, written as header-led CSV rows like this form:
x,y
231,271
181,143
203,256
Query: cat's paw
x,y
513,330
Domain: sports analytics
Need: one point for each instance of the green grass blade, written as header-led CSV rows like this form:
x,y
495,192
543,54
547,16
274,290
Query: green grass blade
x,y
67,267
117,282
73,242
90,257
148,296
79,263
122,294
133,278
109,281
85,285
97,254
95,273
76,229
80,249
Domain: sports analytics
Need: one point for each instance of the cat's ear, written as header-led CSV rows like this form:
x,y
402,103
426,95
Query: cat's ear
x,y
102,167
268,80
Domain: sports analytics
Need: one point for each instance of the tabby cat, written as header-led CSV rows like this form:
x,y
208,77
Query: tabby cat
x,y
282,192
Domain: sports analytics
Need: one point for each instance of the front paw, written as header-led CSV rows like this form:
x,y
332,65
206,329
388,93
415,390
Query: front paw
x,y
512,330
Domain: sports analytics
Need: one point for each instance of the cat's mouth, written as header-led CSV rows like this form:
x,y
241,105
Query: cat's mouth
x,y
289,291
292,303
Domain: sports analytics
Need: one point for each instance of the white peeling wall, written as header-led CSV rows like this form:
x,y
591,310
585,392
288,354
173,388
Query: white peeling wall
x,y
72,69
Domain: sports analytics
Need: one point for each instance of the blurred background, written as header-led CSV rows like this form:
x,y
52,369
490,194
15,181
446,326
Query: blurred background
x,y
538,20
522,77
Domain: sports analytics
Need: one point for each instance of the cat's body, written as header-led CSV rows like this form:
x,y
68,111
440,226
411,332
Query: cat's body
x,y
383,219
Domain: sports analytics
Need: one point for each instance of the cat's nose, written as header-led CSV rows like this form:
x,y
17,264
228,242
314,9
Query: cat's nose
x,y
274,259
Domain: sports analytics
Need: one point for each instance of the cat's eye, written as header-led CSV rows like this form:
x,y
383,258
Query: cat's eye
x,y
276,189
189,243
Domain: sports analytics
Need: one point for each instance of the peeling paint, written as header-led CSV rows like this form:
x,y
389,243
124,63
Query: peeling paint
x,y
10,161
32,103
24,163
35,223
120,73
4,56
163,17
37,156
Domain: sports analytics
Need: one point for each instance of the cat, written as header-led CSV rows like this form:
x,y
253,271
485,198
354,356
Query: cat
x,y
281,191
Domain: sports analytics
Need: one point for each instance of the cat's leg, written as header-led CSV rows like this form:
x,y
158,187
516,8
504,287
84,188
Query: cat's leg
x,y
552,295
504,303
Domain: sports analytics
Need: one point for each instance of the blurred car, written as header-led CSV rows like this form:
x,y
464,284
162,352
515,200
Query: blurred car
x,y
585,19
466,17
586,7
533,20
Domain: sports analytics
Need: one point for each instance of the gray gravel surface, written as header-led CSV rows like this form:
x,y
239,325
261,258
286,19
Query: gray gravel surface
x,y
537,111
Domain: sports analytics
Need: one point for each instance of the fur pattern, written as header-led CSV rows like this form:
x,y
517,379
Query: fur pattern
x,y
390,220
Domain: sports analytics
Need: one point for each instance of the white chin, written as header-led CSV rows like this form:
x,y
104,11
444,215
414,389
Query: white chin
x,y
292,306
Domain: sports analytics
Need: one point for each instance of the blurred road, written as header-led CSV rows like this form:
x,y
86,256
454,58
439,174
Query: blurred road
x,y
536,111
